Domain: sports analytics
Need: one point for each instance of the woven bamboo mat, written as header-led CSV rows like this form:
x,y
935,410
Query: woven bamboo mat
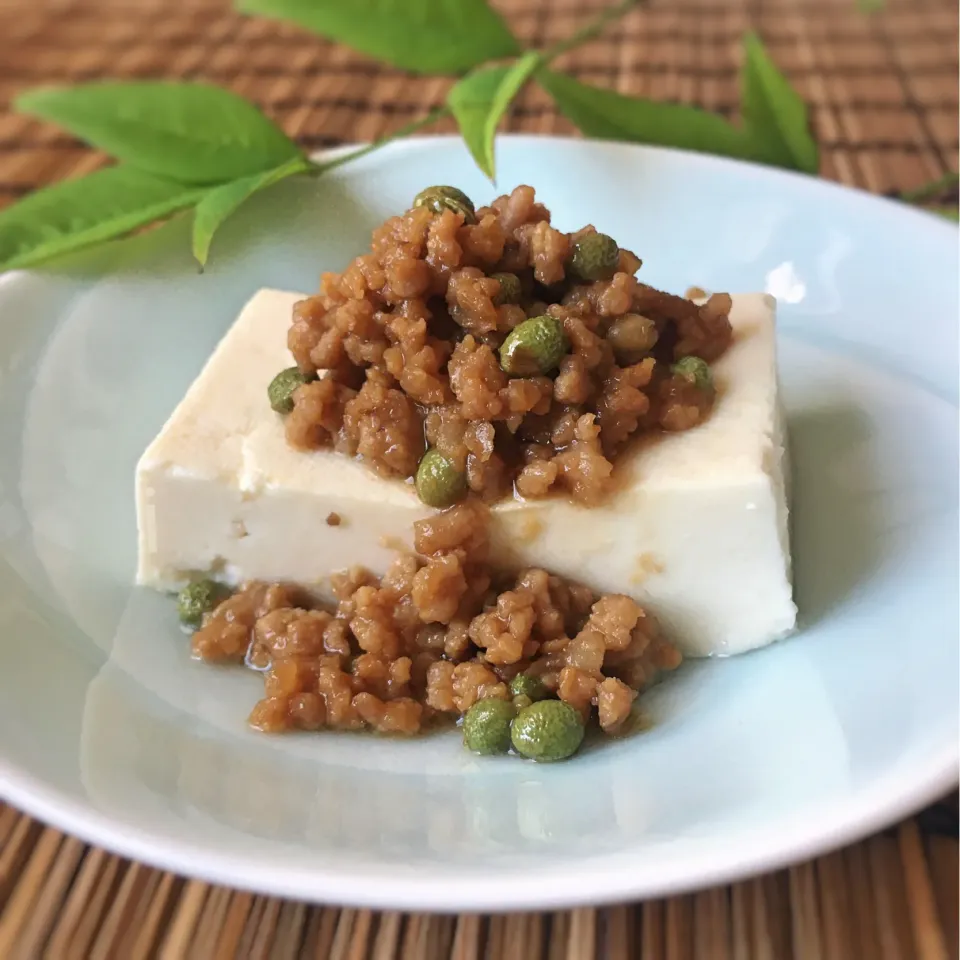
x,y
883,91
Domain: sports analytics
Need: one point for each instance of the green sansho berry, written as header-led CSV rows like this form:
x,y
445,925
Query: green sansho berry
x,y
534,347
547,730
439,483
528,685
595,256
282,387
486,726
632,336
510,289
440,198
198,598
428,195
696,370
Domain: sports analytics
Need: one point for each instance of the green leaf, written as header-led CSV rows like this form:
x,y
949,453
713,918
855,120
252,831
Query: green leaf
x,y
480,100
222,201
190,132
78,213
950,213
425,36
870,6
613,116
774,116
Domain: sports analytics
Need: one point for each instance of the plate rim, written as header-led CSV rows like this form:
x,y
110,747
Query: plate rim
x,y
866,812
558,889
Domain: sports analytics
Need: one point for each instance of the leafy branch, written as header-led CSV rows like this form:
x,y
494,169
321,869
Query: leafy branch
x,y
182,145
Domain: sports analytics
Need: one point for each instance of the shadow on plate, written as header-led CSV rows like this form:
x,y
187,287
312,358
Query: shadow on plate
x,y
837,508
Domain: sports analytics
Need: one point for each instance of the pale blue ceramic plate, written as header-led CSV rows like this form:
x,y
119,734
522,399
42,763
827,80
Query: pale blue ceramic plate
x,y
111,732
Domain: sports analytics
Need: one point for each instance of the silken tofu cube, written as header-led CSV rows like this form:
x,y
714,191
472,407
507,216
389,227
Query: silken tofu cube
x,y
696,528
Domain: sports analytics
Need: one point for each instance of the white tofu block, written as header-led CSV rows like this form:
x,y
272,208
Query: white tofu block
x,y
696,528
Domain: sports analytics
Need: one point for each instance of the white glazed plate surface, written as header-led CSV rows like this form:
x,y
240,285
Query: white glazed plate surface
x,y
110,731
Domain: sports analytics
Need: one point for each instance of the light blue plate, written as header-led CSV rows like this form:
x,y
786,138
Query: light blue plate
x,y
111,732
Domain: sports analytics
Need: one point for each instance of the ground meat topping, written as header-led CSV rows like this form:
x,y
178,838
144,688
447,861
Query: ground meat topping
x,y
440,631
477,351
404,345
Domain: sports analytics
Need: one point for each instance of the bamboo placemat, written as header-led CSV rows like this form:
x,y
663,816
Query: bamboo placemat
x,y
883,91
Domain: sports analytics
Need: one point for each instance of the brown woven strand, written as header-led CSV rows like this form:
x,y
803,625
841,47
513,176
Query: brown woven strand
x,y
883,96
894,896
882,89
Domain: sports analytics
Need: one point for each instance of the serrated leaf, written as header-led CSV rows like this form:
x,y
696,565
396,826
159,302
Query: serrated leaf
x,y
480,100
74,214
221,202
424,36
774,115
613,116
190,132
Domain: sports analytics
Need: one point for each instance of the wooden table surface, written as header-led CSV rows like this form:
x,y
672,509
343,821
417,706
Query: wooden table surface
x,y
883,93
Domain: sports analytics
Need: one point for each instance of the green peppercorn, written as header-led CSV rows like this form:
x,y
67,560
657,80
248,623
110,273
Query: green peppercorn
x,y
198,598
510,290
547,730
439,483
695,370
595,256
428,194
534,347
521,701
632,336
282,387
486,726
440,198
528,685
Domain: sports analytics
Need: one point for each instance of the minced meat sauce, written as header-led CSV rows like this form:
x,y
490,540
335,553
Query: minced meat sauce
x,y
409,340
482,353
438,632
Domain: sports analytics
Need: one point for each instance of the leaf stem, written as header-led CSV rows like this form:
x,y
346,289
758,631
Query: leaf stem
x,y
590,30
404,131
930,190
